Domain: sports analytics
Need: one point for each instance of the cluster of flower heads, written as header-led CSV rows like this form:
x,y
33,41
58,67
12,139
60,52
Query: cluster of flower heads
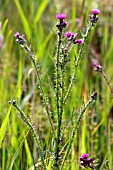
x,y
87,162
72,37
62,24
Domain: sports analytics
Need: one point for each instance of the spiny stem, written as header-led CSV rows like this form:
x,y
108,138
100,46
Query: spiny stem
x,y
56,162
75,130
85,36
62,97
108,83
70,86
41,88
25,119
80,117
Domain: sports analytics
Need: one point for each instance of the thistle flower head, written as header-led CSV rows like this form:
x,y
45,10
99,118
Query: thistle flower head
x,y
95,11
20,38
61,24
17,34
85,161
68,34
97,66
79,41
61,16
94,17
84,156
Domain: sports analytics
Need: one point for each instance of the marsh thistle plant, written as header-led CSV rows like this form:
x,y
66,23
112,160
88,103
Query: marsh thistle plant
x,y
60,151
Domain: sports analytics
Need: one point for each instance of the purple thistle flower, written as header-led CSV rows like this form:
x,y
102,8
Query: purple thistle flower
x,y
84,156
17,35
94,17
97,66
79,41
71,36
20,38
61,16
85,161
95,11
68,34
61,24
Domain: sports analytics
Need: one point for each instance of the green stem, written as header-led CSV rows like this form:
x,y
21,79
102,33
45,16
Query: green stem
x,y
62,97
25,119
108,83
41,88
75,131
85,36
58,95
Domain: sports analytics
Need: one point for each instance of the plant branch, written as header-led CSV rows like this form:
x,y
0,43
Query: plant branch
x,y
92,98
27,122
41,88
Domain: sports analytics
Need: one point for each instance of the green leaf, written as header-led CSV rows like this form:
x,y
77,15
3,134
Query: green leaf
x,y
50,164
4,26
4,125
28,153
40,10
16,153
23,19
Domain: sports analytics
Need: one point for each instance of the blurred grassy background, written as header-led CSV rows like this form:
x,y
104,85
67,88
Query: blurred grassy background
x,y
36,19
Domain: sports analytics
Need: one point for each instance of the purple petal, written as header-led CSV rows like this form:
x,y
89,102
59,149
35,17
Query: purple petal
x,y
61,16
84,156
17,35
95,11
79,41
68,34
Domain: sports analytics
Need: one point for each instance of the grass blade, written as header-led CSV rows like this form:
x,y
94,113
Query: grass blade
x,y
23,19
28,153
16,153
4,26
4,125
40,10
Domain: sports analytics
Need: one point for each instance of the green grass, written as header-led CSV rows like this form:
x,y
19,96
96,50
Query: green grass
x,y
36,19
